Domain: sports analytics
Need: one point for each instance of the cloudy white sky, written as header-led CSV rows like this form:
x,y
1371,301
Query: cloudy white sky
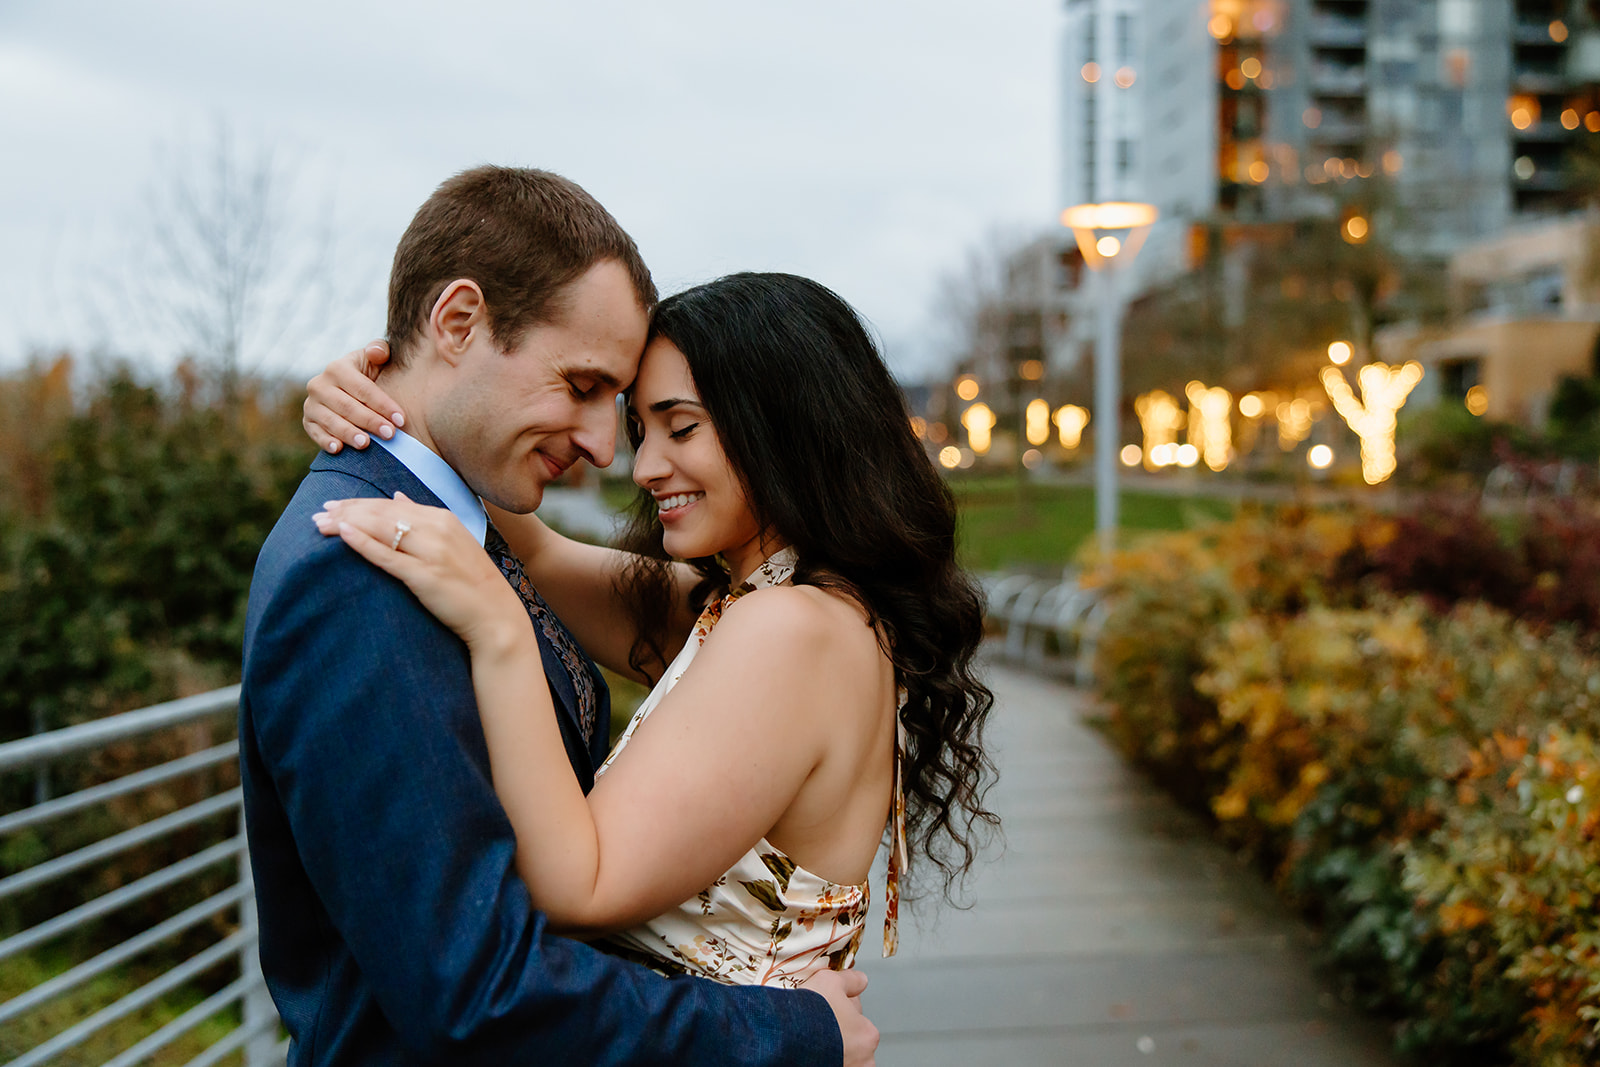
x,y
866,143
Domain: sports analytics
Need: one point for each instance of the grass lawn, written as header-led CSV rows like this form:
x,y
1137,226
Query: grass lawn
x,y
21,973
1045,526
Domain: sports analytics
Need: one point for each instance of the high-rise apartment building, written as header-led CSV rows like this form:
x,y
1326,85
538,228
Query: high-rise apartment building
x,y
1262,110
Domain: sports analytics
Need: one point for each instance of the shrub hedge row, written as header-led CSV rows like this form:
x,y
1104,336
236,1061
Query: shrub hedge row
x,y
1417,767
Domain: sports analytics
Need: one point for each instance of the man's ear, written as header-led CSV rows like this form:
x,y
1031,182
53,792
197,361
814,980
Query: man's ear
x,y
457,318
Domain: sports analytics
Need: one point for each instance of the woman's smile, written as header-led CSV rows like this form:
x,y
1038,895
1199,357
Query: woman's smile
x,y
676,505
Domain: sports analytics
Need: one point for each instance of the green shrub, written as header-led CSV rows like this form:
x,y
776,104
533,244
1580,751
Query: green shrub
x,y
1420,778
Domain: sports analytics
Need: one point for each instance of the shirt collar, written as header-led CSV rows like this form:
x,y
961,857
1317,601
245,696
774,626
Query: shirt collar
x,y
441,479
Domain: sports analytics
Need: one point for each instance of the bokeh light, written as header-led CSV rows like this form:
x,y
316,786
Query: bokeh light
x,y
978,421
949,457
1070,421
1383,392
1036,421
1130,455
1108,246
1320,457
1210,432
1477,400
1340,352
967,388
1160,419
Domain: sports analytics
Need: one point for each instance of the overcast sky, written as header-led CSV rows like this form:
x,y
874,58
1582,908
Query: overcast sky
x,y
865,143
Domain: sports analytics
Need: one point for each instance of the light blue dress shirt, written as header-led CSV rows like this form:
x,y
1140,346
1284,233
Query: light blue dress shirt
x,y
441,479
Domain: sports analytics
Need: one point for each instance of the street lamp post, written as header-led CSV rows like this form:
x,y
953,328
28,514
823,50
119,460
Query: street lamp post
x,y
1109,236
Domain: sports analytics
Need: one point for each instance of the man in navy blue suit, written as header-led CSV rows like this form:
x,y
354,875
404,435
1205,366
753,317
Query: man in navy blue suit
x,y
394,928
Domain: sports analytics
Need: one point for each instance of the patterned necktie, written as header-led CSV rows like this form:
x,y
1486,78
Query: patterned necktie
x,y
555,633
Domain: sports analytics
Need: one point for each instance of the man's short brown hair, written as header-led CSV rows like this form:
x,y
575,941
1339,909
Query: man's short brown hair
x,y
523,235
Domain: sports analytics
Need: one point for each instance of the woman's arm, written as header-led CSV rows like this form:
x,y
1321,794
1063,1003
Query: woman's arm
x,y
579,582
702,781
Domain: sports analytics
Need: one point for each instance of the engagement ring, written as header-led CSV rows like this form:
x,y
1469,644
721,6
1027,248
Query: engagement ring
x,y
400,531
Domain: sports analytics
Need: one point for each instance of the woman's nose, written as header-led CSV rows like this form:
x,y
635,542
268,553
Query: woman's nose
x,y
647,463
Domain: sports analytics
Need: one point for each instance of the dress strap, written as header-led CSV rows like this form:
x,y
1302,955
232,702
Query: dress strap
x,y
897,840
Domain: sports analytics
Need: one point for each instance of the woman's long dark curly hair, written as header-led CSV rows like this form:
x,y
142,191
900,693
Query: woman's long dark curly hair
x,y
819,435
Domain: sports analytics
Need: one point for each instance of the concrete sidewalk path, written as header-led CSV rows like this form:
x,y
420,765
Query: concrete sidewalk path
x,y
1113,931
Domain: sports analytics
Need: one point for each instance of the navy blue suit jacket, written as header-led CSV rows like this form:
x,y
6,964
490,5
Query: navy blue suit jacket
x,y
394,928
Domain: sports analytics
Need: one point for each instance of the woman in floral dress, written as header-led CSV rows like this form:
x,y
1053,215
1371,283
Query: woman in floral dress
x,y
824,689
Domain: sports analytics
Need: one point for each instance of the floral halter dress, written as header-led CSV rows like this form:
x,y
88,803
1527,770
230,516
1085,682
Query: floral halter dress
x,y
767,921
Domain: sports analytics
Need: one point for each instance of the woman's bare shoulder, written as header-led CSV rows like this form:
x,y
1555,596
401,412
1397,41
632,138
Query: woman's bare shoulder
x,y
816,636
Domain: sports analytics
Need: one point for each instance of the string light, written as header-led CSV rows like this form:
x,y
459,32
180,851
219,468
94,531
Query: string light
x,y
1383,392
1210,431
1070,422
1160,418
1294,422
978,421
1037,419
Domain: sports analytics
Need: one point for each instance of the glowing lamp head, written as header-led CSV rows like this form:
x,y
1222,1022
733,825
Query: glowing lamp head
x,y
1109,233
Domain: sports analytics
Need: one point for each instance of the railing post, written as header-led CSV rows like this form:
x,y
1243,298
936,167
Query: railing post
x,y
262,1049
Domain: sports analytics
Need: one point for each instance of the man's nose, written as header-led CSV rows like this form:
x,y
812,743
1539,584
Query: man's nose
x,y
597,434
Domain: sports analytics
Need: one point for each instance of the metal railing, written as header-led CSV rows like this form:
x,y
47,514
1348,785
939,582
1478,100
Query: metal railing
x,y
1050,625
171,997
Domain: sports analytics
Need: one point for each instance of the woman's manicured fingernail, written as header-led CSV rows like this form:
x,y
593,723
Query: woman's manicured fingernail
x,y
386,432
399,418
332,505
322,519
333,448
360,441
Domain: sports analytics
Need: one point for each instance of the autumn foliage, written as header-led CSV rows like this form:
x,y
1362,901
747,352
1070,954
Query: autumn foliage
x,y
1411,749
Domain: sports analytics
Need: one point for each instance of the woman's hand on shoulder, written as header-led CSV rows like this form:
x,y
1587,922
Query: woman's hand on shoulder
x,y
429,550
344,405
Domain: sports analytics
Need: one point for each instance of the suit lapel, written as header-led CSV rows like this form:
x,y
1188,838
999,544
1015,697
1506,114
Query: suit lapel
x,y
381,470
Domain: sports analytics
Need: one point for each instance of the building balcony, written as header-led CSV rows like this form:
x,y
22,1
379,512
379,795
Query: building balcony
x,y
1328,32
1543,180
1327,80
1548,131
1538,84
1335,130
1533,33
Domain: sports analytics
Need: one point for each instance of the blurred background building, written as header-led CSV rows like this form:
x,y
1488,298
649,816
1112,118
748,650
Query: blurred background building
x,y
1448,150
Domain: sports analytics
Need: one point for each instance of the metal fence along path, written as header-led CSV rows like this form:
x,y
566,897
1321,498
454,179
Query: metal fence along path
x,y
217,931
